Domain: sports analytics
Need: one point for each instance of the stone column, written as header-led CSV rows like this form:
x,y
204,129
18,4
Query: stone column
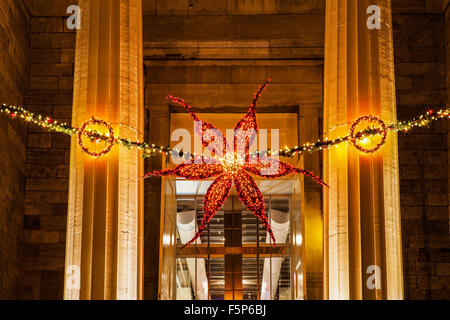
x,y
311,206
104,258
361,209
159,133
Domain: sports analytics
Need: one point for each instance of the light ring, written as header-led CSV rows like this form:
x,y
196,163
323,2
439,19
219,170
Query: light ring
x,y
110,140
354,139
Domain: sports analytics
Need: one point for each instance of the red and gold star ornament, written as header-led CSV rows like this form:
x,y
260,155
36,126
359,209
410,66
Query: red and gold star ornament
x,y
233,168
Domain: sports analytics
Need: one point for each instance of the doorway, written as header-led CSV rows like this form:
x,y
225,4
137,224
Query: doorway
x,y
234,258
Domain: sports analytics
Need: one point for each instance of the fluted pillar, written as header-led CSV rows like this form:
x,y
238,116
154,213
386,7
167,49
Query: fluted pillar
x,y
361,209
311,207
104,257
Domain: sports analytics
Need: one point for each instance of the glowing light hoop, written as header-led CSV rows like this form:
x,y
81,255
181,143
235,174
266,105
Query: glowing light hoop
x,y
382,128
109,140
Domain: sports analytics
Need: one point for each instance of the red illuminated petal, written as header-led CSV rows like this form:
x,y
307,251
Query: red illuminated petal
x,y
214,199
248,122
190,171
252,198
207,140
273,168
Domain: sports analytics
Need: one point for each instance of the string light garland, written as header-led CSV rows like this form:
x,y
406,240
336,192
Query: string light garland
x,y
233,168
154,150
54,126
402,126
39,120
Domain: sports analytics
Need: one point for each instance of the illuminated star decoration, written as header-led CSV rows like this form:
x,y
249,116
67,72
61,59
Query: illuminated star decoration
x,y
232,168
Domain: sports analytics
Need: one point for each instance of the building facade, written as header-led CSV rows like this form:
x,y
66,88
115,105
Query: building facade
x,y
215,54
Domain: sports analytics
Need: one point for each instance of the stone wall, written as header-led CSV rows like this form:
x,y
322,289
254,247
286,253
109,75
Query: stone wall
x,y
447,26
419,41
52,49
14,33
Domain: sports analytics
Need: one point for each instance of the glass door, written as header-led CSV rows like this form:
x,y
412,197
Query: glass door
x,y
234,258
